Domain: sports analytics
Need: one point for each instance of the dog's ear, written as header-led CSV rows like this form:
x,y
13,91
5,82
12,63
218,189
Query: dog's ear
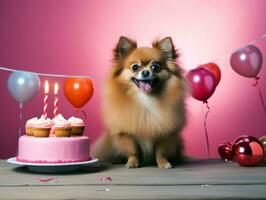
x,y
167,47
124,47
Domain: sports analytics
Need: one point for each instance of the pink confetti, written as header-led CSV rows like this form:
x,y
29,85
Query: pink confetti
x,y
45,180
105,178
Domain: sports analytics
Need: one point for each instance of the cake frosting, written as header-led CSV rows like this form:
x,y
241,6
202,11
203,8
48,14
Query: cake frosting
x,y
53,149
60,121
31,122
42,122
74,121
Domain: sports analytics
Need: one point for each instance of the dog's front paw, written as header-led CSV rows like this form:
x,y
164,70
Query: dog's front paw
x,y
164,165
132,162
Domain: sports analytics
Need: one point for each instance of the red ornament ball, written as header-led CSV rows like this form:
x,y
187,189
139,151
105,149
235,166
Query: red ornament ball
x,y
248,151
225,150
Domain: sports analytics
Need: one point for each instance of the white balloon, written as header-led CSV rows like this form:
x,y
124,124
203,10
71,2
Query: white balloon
x,y
23,86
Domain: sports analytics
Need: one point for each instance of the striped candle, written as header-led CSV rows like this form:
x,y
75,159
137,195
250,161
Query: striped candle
x,y
55,99
45,100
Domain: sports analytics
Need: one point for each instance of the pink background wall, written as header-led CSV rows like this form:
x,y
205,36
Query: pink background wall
x,y
77,37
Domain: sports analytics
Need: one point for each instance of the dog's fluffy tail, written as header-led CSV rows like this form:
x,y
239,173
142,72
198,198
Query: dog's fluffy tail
x,y
103,149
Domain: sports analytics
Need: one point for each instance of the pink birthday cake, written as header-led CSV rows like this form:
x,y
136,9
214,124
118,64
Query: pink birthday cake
x,y
53,149
58,146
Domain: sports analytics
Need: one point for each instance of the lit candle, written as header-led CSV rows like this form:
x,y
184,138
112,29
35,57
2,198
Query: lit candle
x,y
45,100
55,99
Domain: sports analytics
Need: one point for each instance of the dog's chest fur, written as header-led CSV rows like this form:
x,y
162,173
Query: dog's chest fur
x,y
149,117
150,106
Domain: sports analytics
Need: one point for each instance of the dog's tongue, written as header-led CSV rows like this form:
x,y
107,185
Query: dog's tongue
x,y
145,87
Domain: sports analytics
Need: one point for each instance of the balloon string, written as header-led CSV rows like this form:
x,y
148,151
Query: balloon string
x,y
50,75
256,84
94,128
20,119
20,123
256,81
85,116
205,128
262,37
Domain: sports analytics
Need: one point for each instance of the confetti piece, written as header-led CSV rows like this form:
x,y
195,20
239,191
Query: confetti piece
x,y
45,180
205,185
104,190
109,179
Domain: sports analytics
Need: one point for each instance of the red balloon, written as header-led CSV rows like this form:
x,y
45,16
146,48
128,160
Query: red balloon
x,y
247,61
78,91
225,151
202,83
214,69
248,151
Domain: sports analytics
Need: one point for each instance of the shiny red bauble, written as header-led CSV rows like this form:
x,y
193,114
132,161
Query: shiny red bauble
x,y
225,151
247,151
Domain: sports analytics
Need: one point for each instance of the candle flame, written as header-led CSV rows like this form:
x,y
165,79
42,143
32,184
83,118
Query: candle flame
x,y
56,88
46,87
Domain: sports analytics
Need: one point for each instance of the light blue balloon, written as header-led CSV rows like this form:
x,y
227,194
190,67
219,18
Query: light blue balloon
x,y
23,86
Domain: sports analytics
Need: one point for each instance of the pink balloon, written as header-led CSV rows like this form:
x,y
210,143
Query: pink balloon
x,y
202,83
247,61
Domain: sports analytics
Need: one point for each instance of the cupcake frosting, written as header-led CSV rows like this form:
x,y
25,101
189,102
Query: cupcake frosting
x,y
31,122
42,122
60,121
74,121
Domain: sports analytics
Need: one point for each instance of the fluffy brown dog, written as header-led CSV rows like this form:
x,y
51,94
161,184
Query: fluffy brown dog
x,y
143,107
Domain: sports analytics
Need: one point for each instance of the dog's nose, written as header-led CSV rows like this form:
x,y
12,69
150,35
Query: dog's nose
x,y
145,73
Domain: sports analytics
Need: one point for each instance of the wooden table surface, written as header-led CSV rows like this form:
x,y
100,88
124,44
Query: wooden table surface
x,y
206,179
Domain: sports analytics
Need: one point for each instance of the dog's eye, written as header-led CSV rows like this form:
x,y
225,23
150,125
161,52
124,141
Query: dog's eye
x,y
155,67
135,67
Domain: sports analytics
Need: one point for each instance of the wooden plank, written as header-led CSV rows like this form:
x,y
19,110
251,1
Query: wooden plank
x,y
134,192
204,179
212,172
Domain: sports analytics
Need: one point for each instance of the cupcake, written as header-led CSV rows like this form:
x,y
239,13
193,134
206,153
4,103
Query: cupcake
x,y
62,128
29,126
42,127
77,126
